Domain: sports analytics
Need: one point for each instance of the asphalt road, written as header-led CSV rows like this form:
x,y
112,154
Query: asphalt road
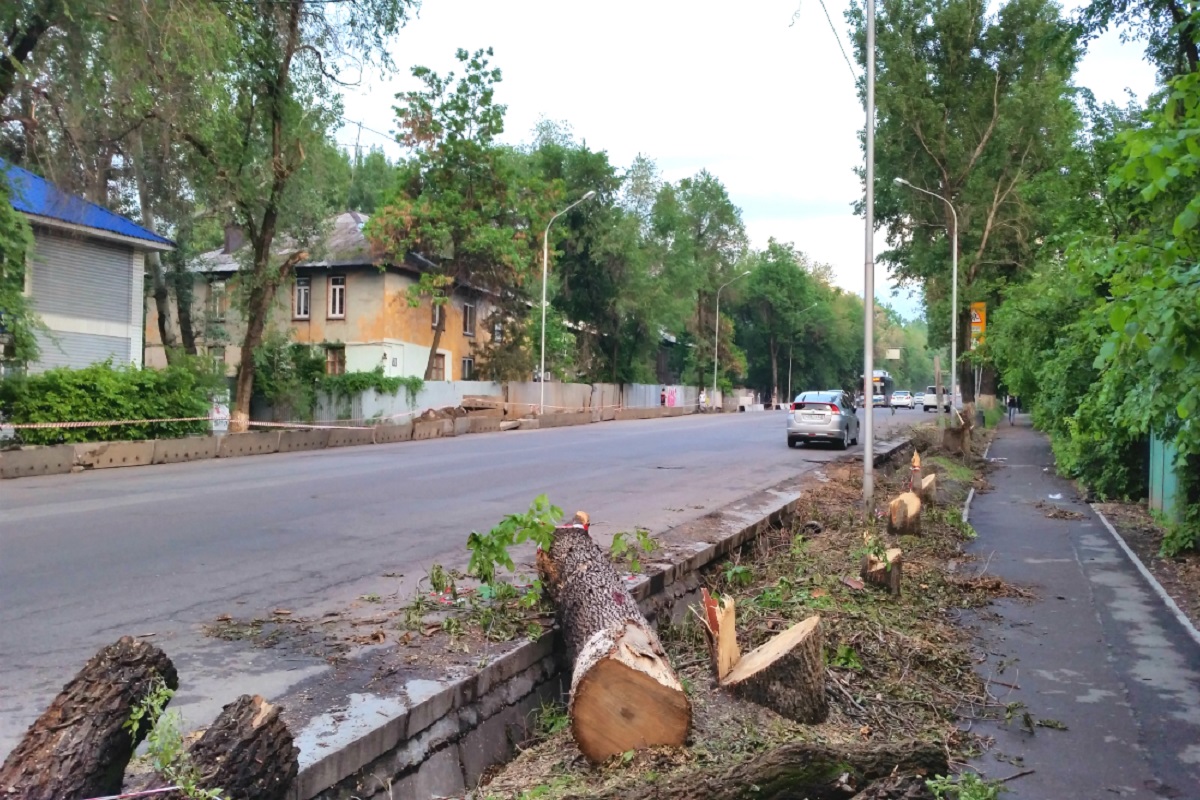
x,y
87,558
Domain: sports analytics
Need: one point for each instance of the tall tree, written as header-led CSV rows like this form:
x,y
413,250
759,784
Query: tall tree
x,y
971,107
464,202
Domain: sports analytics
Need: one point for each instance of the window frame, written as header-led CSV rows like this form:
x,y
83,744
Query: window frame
x,y
330,287
466,367
305,283
435,316
335,357
439,366
218,299
469,314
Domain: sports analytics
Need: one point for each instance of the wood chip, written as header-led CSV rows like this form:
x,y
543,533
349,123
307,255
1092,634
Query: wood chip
x,y
224,618
853,583
281,612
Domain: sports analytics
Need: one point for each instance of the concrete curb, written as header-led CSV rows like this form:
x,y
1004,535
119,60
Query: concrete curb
x,y
450,731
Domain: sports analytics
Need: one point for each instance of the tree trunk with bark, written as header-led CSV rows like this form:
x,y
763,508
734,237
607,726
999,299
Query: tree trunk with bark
x,y
247,753
437,340
885,573
803,769
158,279
624,693
79,746
774,347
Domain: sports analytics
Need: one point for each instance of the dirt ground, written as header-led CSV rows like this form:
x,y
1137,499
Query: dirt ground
x,y
1180,575
899,670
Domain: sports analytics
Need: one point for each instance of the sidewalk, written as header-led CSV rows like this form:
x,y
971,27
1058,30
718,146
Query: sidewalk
x,y
1098,651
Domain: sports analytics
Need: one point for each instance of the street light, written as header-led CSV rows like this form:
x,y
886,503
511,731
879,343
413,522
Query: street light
x,y
869,263
954,291
717,329
545,269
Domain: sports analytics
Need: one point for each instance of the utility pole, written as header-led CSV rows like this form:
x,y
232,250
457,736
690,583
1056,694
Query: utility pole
x,y
869,274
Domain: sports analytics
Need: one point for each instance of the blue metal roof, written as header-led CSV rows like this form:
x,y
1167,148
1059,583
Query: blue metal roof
x,y
35,195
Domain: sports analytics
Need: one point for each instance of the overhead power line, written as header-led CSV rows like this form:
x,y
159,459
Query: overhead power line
x,y
837,37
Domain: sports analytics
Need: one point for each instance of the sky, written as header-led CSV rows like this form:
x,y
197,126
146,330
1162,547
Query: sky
x,y
758,93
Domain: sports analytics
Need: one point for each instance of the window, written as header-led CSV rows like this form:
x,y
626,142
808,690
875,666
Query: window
x,y
217,354
439,368
498,332
335,360
302,301
218,301
468,369
468,320
337,298
436,316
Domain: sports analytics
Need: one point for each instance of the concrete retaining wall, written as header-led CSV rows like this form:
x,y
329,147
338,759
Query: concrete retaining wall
x,y
23,463
189,448
106,455
254,443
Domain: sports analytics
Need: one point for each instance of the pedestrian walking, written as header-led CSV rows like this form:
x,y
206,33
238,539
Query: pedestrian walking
x,y
1012,408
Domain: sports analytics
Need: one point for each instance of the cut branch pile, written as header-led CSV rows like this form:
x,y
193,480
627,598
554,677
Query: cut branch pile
x,y
80,746
624,694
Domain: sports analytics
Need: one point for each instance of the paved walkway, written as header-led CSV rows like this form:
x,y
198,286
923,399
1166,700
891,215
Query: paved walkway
x,y
1098,651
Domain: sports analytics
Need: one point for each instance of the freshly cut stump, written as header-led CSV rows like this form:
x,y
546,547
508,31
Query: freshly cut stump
x,y
786,674
721,633
624,694
875,571
79,746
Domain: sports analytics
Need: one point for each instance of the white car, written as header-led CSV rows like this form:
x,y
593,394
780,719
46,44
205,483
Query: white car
x,y
902,399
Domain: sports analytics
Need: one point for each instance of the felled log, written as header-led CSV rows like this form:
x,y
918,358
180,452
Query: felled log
x,y
884,572
247,753
624,693
79,746
801,769
786,674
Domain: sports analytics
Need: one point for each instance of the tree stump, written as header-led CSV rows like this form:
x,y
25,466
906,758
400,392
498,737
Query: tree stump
x,y
904,514
884,573
247,753
79,747
786,674
929,489
624,693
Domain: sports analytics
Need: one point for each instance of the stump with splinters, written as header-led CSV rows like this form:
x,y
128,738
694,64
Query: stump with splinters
x,y
885,572
624,693
79,746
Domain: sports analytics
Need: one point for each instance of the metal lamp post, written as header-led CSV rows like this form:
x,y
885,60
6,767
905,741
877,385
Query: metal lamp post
x,y
953,291
545,270
717,329
869,266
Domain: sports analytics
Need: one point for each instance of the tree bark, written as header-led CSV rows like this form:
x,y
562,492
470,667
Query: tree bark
x,y
21,39
78,747
886,574
624,693
258,311
774,347
247,753
786,674
801,769
158,280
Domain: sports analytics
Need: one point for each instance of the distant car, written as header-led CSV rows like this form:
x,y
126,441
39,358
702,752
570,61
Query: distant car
x,y
918,399
929,401
902,399
878,401
823,417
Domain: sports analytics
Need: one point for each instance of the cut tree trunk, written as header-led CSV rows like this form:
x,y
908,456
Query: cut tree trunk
x,y
721,632
803,769
624,693
247,753
79,747
883,574
786,674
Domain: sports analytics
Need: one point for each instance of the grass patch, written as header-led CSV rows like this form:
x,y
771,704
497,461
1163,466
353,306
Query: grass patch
x,y
954,470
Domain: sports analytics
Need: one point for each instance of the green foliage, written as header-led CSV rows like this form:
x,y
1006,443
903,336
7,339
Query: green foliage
x,y
352,384
967,786
625,548
737,574
490,551
164,743
288,375
844,658
103,392
549,719
17,320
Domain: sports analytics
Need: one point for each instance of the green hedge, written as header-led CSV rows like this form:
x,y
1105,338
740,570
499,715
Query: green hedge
x,y
103,392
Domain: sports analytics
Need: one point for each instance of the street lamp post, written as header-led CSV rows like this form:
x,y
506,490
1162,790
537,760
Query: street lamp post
x,y
717,329
953,291
545,270
869,266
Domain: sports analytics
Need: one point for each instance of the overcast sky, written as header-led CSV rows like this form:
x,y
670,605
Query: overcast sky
x,y
768,106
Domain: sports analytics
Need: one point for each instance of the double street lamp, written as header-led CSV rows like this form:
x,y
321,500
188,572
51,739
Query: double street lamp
x,y
954,289
717,330
545,270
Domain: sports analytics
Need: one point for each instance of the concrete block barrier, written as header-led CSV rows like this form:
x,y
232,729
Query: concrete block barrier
x,y
427,429
529,424
296,441
54,460
462,425
484,424
107,455
189,448
349,437
608,414
253,443
387,434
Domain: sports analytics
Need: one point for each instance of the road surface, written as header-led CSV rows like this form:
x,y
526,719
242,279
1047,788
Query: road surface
x,y
87,558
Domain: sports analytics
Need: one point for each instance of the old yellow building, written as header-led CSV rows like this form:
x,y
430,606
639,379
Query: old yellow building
x,y
347,301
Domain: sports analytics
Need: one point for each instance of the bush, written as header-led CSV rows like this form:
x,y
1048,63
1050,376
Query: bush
x,y
104,392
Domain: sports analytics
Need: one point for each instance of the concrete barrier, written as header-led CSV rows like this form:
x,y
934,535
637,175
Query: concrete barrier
x,y
427,429
564,419
349,437
189,448
54,460
484,424
608,414
462,425
253,443
624,414
107,455
387,434
529,424
310,439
